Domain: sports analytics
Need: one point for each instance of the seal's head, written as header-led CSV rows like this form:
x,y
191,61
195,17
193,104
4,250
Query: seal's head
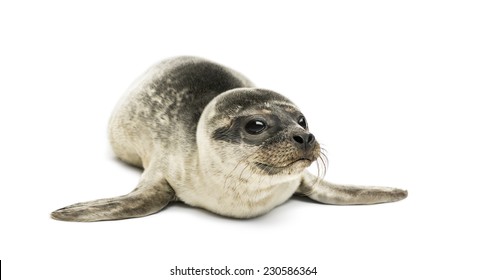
x,y
250,131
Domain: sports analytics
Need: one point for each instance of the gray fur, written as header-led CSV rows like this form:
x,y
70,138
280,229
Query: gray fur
x,y
184,123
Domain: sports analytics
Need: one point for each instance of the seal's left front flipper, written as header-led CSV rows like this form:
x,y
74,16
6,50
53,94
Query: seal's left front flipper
x,y
325,192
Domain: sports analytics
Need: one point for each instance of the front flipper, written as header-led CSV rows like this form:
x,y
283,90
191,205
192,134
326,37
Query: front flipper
x,y
325,192
146,199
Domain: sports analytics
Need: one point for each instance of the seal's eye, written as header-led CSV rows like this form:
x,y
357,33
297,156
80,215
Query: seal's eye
x,y
302,122
255,126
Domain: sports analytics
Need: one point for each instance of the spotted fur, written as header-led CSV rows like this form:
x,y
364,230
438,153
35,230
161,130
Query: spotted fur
x,y
184,122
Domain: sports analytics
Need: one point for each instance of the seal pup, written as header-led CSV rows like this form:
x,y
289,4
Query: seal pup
x,y
206,136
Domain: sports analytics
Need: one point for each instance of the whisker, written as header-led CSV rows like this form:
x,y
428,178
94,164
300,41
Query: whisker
x,y
325,161
242,161
243,170
322,164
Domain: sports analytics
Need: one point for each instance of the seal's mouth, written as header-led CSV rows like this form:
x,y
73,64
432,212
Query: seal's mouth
x,y
274,169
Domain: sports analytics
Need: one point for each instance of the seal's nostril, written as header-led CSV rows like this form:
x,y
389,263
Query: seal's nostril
x,y
304,140
298,139
310,138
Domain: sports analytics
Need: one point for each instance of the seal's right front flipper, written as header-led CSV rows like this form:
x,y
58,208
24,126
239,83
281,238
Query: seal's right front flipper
x,y
143,201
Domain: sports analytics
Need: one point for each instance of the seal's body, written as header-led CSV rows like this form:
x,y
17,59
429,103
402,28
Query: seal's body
x,y
206,136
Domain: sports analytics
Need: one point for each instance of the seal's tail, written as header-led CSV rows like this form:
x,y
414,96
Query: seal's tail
x,y
142,201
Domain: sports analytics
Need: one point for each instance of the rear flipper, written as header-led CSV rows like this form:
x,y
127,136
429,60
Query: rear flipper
x,y
325,192
146,199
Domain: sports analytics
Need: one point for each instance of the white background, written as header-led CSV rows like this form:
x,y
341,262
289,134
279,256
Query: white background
x,y
394,90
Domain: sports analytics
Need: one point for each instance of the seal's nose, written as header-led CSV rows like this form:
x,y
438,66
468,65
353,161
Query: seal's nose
x,y
304,140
